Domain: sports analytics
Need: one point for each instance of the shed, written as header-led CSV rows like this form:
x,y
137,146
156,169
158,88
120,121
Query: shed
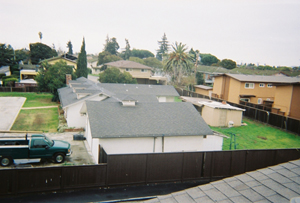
x,y
217,113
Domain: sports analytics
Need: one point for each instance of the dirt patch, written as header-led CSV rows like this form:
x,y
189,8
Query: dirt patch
x,y
261,137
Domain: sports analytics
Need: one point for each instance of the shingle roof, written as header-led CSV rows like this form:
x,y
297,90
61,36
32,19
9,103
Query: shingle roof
x,y
274,184
112,120
127,64
138,98
262,78
83,85
139,89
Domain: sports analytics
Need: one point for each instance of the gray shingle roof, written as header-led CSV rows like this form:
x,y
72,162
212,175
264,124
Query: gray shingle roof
x,y
138,98
4,69
139,89
273,184
262,78
111,120
83,85
127,64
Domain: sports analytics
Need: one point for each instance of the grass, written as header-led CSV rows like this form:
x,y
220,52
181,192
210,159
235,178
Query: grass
x,y
177,99
37,120
33,99
259,136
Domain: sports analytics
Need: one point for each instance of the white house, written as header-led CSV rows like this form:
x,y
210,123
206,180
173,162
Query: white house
x,y
73,96
128,126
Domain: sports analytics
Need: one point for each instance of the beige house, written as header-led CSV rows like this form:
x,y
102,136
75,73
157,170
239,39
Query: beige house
x,y
287,99
68,58
204,90
216,113
142,73
250,88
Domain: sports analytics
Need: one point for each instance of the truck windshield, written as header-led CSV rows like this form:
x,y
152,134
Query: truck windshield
x,y
49,141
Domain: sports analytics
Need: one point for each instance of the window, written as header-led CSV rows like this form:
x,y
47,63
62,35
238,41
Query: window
x,y
270,85
249,85
128,69
245,99
259,101
144,70
261,84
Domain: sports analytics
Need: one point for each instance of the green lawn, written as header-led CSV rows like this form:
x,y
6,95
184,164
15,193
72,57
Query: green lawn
x,y
33,99
259,136
37,120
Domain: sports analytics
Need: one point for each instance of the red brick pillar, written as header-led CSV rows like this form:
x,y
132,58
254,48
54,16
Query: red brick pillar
x,y
68,78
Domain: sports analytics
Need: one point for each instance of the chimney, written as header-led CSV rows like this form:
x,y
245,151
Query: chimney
x,y
68,78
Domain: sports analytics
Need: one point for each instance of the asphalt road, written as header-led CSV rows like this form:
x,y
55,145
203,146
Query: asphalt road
x,y
9,110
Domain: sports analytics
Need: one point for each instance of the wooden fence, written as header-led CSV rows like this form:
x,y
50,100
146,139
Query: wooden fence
x,y
256,112
19,89
131,169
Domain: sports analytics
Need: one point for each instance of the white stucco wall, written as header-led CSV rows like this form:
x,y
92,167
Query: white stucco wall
x,y
73,116
165,99
171,144
212,143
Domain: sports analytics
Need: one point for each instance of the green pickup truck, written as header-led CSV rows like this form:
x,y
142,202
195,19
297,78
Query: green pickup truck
x,y
38,146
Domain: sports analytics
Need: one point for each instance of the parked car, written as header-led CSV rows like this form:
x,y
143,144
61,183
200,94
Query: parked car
x,y
37,146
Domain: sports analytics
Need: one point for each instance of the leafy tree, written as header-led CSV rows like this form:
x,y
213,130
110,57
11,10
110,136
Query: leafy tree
x,y
111,46
53,77
106,57
114,75
163,47
208,59
141,53
6,55
228,64
70,47
82,70
39,51
136,59
179,62
22,55
154,63
10,81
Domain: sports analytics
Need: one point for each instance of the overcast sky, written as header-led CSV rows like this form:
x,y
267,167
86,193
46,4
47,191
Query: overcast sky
x,y
246,31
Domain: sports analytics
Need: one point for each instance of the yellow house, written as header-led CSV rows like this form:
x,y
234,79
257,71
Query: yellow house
x,y
287,99
250,88
68,58
142,73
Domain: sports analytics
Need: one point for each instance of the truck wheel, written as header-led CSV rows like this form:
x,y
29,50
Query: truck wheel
x,y
59,158
5,161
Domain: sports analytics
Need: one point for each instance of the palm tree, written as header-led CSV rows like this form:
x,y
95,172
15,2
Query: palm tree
x,y
179,62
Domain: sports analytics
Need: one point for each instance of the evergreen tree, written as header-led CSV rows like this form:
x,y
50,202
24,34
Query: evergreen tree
x,y
82,70
127,52
39,51
163,47
70,47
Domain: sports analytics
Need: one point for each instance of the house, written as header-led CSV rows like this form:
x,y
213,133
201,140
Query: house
x,y
4,71
68,58
249,88
73,96
287,99
203,89
129,126
217,113
94,67
143,74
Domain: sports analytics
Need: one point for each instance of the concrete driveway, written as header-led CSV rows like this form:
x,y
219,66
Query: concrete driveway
x,y
9,110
